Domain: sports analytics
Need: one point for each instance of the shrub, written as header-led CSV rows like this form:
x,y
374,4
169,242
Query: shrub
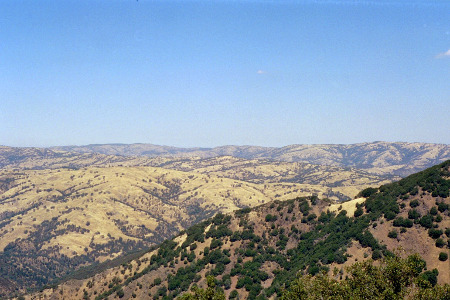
x,y
390,215
442,206
414,203
440,243
376,254
120,293
413,214
434,233
271,218
393,234
401,222
426,221
443,256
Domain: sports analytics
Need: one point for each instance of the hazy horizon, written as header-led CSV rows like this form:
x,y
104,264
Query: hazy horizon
x,y
212,73
216,146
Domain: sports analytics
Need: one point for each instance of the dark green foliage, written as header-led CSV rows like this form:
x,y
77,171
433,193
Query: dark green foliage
x,y
426,221
215,243
241,212
368,192
234,294
414,203
442,207
390,215
358,212
236,236
401,222
120,293
440,243
376,254
271,218
443,256
384,201
304,207
430,276
434,233
413,214
433,211
396,278
393,234
219,231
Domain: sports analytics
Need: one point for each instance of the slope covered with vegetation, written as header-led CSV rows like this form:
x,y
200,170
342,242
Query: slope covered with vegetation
x,y
257,253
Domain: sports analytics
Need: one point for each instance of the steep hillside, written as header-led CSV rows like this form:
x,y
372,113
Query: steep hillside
x,y
257,252
399,159
54,221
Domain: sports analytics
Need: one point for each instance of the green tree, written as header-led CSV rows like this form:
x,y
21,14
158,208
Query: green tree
x,y
211,293
394,278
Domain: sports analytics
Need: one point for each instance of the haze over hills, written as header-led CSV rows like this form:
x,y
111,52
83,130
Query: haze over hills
x,y
257,252
399,158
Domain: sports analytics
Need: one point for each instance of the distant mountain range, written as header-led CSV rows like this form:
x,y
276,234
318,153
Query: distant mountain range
x,y
399,158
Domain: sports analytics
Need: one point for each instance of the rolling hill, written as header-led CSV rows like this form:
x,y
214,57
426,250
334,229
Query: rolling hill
x,y
41,158
257,252
62,219
381,158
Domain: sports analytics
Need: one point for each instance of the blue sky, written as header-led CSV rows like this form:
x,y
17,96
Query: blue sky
x,y
210,73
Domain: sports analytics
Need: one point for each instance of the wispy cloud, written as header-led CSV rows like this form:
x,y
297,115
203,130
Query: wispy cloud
x,y
444,54
264,72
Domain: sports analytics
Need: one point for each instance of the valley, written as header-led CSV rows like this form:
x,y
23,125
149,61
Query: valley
x,y
65,211
253,253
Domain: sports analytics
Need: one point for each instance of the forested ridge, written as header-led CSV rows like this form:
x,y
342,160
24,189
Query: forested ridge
x,y
258,253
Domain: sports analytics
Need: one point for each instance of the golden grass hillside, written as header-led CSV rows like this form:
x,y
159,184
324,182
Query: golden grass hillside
x,y
256,252
381,158
42,158
53,221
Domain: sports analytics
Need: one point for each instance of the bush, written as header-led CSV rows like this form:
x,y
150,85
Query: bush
x,y
358,212
393,234
401,222
442,207
120,293
376,254
390,215
434,233
271,218
368,192
413,214
426,221
440,243
443,256
414,203
433,211
234,294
